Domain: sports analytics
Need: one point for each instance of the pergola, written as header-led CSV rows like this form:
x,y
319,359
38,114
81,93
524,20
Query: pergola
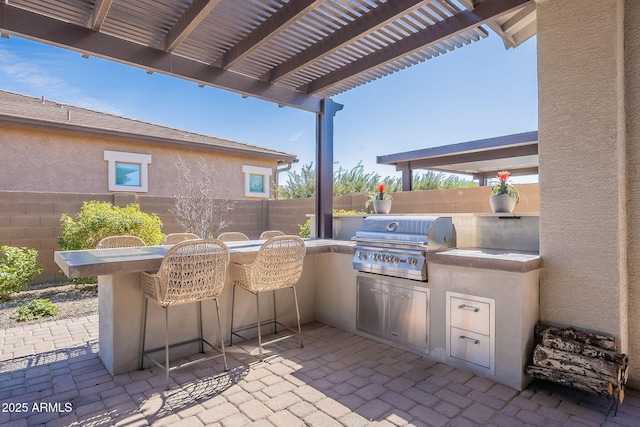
x,y
482,159
296,53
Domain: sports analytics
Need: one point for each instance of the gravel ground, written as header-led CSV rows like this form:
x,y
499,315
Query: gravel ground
x,y
73,301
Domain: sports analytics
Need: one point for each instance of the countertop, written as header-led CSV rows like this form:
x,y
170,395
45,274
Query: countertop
x,y
97,262
490,259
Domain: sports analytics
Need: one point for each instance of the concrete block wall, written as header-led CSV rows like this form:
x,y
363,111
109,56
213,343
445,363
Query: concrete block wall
x,y
288,215
32,219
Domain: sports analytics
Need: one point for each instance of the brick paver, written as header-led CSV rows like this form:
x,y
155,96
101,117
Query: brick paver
x,y
51,375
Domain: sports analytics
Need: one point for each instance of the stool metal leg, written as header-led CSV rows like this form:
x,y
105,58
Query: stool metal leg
x,y
233,304
144,331
200,326
259,328
224,356
275,319
295,297
166,348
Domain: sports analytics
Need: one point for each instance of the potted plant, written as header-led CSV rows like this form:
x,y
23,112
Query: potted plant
x,y
504,195
381,200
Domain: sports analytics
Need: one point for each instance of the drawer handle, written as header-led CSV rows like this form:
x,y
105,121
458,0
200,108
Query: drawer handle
x,y
468,307
395,294
471,340
376,291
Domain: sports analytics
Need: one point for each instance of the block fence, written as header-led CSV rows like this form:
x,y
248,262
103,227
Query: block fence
x,y
32,219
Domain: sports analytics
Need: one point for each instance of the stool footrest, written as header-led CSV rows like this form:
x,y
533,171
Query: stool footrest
x,y
264,323
179,344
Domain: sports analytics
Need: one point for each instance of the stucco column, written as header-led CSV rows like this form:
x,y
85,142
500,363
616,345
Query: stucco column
x,y
586,148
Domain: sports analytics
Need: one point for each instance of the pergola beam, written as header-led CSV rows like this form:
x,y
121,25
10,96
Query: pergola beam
x,y
366,24
195,13
289,13
14,20
503,153
463,21
99,14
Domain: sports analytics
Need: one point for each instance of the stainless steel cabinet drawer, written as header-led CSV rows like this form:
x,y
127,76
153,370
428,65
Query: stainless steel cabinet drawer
x,y
470,314
470,347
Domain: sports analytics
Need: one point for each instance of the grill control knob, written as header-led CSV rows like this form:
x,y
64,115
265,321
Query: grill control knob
x,y
413,262
362,256
395,259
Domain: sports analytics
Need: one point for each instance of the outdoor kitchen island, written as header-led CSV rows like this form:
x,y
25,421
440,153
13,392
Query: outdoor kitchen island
x,y
326,292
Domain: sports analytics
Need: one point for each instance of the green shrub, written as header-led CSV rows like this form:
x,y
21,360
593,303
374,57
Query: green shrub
x,y
305,229
18,267
97,220
36,309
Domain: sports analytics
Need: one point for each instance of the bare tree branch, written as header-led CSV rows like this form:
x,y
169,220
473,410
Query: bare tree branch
x,y
198,207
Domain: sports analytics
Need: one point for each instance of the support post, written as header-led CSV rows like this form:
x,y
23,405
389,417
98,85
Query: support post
x,y
407,179
324,168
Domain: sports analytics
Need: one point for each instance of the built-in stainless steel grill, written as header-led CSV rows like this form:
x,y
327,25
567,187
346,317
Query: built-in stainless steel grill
x,y
397,246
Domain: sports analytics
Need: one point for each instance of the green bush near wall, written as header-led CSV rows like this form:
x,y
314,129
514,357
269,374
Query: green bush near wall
x,y
97,220
18,267
305,229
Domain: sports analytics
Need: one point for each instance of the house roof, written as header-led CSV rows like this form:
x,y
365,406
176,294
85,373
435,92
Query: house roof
x,y
22,110
290,52
517,153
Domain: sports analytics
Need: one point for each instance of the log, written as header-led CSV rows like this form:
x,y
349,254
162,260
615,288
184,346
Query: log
x,y
592,385
603,341
576,364
560,343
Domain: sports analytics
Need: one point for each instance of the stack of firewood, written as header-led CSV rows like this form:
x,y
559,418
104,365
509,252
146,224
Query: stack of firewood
x,y
581,360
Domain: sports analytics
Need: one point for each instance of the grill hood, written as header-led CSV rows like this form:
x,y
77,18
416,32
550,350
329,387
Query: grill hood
x,y
429,232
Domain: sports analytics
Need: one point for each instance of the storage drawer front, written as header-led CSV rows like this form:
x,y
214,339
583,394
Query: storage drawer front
x,y
470,315
470,347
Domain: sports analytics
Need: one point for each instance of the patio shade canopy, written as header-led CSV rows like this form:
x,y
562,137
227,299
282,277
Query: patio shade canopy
x,y
517,153
293,53
296,53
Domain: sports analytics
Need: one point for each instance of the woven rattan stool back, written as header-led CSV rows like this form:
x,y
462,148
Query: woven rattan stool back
x,y
120,242
173,238
193,270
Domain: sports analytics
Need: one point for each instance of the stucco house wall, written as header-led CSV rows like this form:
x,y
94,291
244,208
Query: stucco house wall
x,y
589,110
58,162
50,147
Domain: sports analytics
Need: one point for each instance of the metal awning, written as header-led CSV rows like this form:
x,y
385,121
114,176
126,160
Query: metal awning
x,y
289,52
517,153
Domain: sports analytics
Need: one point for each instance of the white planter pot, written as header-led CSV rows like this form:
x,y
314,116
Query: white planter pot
x,y
382,206
502,203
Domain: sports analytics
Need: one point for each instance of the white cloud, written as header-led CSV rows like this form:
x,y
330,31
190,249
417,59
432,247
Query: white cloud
x,y
24,75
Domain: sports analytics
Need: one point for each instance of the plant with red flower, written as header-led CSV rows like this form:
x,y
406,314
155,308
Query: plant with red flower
x,y
505,187
381,194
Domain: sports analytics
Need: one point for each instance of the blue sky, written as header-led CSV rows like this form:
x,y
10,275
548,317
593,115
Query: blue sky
x,y
477,91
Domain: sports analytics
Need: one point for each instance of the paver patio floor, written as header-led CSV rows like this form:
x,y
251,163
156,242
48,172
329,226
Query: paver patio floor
x,y
51,375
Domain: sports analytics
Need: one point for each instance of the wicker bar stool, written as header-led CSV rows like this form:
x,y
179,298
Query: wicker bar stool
x,y
120,242
191,271
278,265
233,236
173,238
271,233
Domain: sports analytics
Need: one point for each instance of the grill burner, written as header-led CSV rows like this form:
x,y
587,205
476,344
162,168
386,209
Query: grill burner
x,y
397,246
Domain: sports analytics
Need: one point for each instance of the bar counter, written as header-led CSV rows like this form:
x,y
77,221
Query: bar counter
x,y
120,299
326,292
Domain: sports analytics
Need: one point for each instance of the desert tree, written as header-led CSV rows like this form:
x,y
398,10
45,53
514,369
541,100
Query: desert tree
x,y
201,201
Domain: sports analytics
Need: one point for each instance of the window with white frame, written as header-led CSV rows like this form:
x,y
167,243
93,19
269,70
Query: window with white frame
x,y
256,181
128,171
